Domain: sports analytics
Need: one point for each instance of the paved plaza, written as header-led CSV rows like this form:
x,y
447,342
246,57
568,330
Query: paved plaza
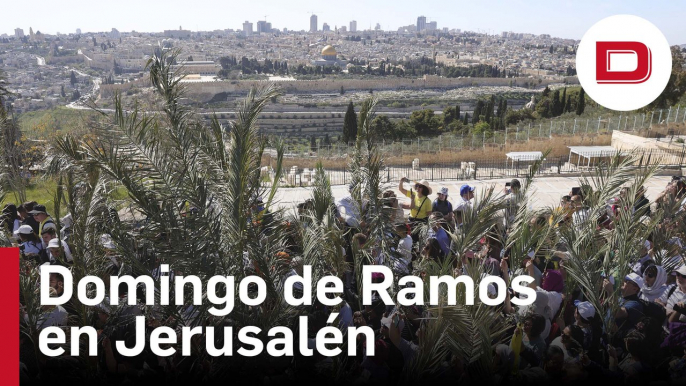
x,y
546,190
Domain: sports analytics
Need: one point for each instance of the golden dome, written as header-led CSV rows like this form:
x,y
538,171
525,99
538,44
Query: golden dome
x,y
328,51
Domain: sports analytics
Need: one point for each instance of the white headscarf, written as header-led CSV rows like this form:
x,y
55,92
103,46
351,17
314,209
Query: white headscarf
x,y
658,288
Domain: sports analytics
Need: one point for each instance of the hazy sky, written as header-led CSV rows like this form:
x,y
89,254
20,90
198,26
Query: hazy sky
x,y
568,19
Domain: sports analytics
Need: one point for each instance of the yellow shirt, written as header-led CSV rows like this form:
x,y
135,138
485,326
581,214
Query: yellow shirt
x,y
422,207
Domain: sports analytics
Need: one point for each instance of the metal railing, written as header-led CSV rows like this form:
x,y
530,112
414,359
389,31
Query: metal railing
x,y
494,168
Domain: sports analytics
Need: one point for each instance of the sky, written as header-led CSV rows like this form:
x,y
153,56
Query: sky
x,y
559,18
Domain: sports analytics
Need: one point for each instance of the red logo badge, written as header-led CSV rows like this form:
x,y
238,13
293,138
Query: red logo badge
x,y
622,62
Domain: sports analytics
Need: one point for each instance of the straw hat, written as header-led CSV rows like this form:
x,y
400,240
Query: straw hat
x,y
425,183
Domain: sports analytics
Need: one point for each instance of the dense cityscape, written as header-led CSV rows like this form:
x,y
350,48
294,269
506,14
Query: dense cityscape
x,y
519,232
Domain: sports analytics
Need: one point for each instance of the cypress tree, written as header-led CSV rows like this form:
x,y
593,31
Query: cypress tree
x,y
466,119
555,107
581,104
457,112
563,102
350,124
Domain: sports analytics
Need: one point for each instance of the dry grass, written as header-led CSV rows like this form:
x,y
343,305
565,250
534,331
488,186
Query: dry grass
x,y
558,147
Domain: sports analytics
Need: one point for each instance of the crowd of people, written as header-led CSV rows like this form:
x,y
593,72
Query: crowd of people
x,y
566,335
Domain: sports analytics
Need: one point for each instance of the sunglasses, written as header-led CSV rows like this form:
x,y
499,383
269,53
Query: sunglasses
x,y
680,275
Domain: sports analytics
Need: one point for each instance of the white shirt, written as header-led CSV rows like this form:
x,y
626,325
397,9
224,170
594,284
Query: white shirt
x,y
349,210
554,300
677,297
579,217
405,252
462,205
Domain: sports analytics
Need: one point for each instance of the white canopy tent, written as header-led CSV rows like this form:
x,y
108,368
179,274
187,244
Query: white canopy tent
x,y
524,156
586,153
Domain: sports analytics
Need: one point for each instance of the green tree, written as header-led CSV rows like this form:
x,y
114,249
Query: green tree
x,y
457,111
72,78
448,115
313,144
481,127
480,105
581,103
556,106
425,122
466,119
563,101
350,124
62,93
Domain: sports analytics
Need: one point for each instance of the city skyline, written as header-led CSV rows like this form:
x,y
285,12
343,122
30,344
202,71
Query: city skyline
x,y
564,19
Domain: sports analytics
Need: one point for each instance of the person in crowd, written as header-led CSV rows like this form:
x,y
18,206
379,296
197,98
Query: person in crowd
x,y
581,213
654,283
420,204
41,216
570,342
396,213
675,300
533,328
10,218
443,206
27,217
513,198
31,246
464,202
437,231
404,250
432,250
59,252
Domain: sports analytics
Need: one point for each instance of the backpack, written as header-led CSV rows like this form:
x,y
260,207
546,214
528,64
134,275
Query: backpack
x,y
654,310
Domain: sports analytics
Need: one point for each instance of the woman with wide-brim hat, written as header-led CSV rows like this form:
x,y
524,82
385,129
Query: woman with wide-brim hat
x,y
420,204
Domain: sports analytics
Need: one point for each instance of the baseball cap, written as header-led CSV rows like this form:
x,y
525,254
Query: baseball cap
x,y
681,270
25,230
38,209
586,309
635,278
466,189
443,191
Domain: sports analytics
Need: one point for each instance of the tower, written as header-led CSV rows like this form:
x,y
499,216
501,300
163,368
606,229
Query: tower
x,y
313,23
421,23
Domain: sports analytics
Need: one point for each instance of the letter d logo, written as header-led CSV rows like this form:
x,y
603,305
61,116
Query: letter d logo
x,y
622,62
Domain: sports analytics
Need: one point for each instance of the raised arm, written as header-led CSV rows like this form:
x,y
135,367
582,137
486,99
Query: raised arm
x,y
401,186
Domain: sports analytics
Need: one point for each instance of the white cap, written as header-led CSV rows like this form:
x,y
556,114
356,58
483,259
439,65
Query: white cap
x,y
586,309
681,270
635,278
25,230
54,243
49,226
443,191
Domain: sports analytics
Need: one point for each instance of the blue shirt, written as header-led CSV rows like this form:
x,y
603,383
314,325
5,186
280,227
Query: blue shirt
x,y
443,241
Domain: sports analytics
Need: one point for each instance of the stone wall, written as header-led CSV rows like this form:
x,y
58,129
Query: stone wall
x,y
204,91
